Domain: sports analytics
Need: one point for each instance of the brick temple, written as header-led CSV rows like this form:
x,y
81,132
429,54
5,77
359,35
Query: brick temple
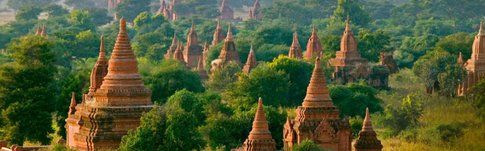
x,y
113,105
259,138
475,66
317,119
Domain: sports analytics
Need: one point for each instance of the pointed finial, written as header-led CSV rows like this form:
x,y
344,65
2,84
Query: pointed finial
x,y
102,51
229,36
122,25
347,24
72,106
367,125
481,30
460,59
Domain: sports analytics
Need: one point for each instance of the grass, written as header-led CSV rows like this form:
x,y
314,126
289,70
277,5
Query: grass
x,y
446,123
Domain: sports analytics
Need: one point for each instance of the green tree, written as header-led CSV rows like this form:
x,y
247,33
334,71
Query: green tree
x,y
170,127
407,115
456,43
308,145
169,77
299,73
439,71
150,133
265,82
16,4
371,44
129,9
28,12
352,9
219,80
354,98
27,88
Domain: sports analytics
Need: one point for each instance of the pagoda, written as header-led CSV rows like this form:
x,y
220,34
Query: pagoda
x,y
259,138
192,49
348,65
99,71
251,62
313,47
218,34
115,107
172,48
226,12
178,54
205,53
228,53
295,49
475,66
318,119
367,140
255,12
167,11
201,69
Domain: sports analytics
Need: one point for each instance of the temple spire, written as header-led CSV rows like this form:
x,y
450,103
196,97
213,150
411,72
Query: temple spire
x,y
72,106
172,48
314,47
317,92
251,62
178,54
367,125
100,69
201,70
481,31
460,59
192,49
228,51
229,36
367,140
348,42
259,138
295,49
218,34
123,66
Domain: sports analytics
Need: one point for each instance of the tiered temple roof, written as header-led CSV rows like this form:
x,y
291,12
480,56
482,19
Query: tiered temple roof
x,y
218,34
172,48
314,47
101,120
259,138
192,49
295,49
229,52
367,140
251,62
348,54
318,119
475,66
178,54
201,69
348,65
100,69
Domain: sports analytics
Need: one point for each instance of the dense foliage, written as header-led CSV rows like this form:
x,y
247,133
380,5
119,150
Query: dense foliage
x,y
38,74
